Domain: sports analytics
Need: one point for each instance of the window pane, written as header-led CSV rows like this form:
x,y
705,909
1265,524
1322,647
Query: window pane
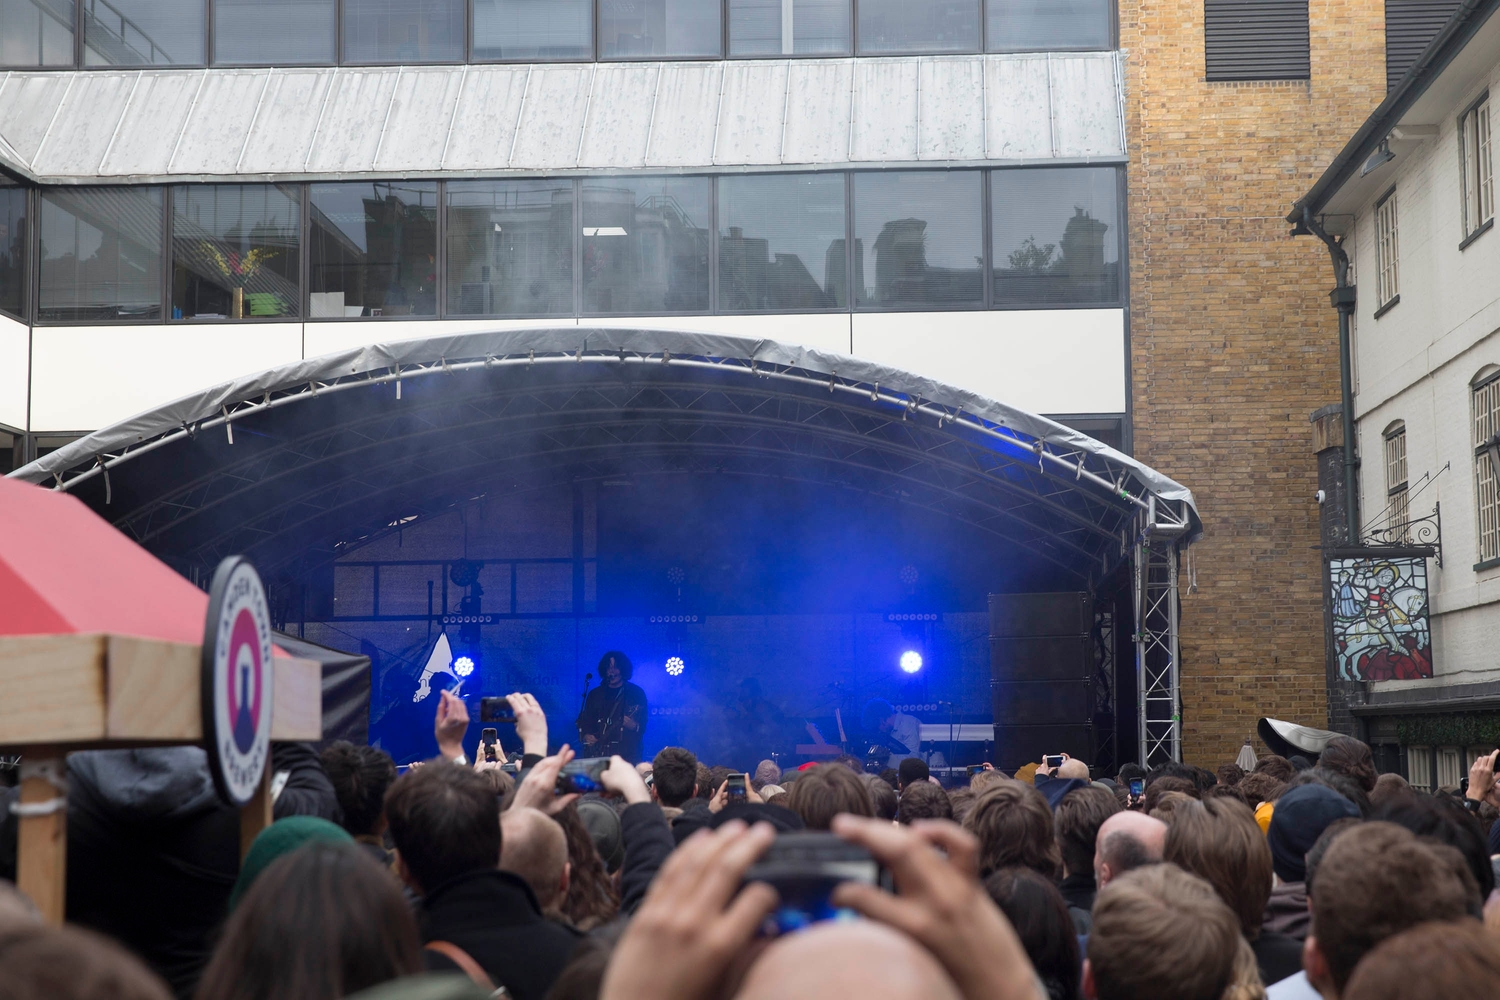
x,y
13,241
374,249
1056,236
633,29
1048,25
36,32
533,29
645,245
788,27
143,32
403,31
918,26
510,248
781,242
101,253
924,234
235,251
274,32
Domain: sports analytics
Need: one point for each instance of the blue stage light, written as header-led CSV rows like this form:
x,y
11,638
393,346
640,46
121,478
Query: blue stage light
x,y
675,666
463,666
911,661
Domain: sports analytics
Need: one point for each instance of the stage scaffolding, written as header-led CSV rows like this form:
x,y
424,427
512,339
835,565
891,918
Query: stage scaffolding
x,y
1159,531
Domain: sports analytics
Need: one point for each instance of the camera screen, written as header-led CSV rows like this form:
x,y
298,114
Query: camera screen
x,y
805,868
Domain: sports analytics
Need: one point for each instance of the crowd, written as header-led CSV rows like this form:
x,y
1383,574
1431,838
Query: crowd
x,y
1297,879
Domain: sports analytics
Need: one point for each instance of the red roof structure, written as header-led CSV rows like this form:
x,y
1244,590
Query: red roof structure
x,y
64,569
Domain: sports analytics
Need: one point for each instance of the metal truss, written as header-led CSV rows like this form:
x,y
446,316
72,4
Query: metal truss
x,y
1157,650
595,415
1106,702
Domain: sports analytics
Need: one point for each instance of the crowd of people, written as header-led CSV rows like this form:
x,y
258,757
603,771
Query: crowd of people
x,y
1297,879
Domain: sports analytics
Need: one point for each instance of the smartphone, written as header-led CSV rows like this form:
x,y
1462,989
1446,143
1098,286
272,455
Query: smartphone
x,y
487,738
804,868
1053,760
734,788
974,769
1137,787
582,775
496,710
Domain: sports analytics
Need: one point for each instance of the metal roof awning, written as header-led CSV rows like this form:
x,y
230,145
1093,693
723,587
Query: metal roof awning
x,y
334,451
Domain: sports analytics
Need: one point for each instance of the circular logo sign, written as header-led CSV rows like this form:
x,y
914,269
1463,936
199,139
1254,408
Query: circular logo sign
x,y
237,680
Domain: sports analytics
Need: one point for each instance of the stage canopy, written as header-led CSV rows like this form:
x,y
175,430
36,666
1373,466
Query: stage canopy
x,y
331,452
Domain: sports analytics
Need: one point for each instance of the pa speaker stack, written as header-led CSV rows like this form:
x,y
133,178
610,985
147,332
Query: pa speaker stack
x,y
1041,676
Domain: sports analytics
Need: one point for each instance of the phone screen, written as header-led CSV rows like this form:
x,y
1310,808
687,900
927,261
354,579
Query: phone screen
x,y
735,786
1137,787
975,769
488,738
1054,761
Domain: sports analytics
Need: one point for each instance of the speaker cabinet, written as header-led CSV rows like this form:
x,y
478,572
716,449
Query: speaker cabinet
x,y
1041,676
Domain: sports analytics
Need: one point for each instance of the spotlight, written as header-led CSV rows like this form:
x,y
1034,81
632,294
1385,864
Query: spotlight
x,y
911,661
463,666
675,666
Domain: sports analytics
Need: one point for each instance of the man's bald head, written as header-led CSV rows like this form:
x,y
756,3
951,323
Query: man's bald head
x,y
534,847
849,958
1073,768
1127,840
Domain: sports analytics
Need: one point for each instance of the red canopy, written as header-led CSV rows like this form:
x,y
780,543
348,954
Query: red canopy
x,y
64,569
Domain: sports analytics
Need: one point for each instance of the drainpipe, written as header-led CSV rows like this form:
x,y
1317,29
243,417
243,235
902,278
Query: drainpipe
x,y
1342,299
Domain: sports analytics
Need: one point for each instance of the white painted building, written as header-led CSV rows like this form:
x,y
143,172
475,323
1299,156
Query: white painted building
x,y
1414,194
185,207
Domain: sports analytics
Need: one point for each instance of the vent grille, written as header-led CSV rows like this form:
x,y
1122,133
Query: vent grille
x,y
1256,40
1410,25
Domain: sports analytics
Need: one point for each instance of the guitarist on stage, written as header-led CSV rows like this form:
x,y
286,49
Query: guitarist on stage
x,y
613,719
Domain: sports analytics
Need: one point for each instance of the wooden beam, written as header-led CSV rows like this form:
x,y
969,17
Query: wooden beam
x,y
154,690
42,841
255,815
298,711
54,689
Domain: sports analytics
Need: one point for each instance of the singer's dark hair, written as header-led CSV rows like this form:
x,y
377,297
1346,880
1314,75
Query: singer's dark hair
x,y
621,660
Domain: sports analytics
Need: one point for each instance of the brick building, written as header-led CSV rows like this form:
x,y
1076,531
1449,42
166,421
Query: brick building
x,y
1233,344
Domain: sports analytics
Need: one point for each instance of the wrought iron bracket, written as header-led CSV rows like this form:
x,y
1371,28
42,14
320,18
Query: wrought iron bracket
x,y
1416,533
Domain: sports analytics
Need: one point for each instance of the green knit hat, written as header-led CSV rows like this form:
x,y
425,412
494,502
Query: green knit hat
x,y
283,837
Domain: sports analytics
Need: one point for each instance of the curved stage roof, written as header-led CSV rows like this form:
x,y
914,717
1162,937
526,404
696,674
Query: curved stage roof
x,y
330,452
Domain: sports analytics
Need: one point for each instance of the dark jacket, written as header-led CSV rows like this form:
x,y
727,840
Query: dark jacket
x,y
1286,911
1053,789
1277,956
494,916
694,816
648,841
1078,891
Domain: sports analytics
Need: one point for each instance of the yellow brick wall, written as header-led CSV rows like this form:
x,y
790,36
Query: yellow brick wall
x,y
1233,343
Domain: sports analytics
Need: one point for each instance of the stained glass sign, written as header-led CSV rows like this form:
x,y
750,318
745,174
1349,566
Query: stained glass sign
x,y
1380,617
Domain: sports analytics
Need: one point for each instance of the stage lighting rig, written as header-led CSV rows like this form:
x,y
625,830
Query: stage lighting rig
x,y
911,661
463,666
675,666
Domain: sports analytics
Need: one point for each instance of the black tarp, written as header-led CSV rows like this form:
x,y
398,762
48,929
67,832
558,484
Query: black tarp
x,y
346,688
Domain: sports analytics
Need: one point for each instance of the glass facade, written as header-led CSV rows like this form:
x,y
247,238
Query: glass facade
x,y
646,244
543,30
510,248
403,31
789,27
1056,236
920,238
143,32
373,249
14,238
892,26
235,251
275,32
781,242
1048,25
36,32
659,29
101,254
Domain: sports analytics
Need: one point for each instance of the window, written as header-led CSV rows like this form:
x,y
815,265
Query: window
x,y
788,27
1048,25
645,244
14,237
1450,767
781,242
657,29
36,32
143,32
1395,476
1387,250
101,254
920,236
1477,166
274,32
1256,40
1486,429
235,251
890,26
533,29
373,249
403,31
1056,236
1419,768
510,248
